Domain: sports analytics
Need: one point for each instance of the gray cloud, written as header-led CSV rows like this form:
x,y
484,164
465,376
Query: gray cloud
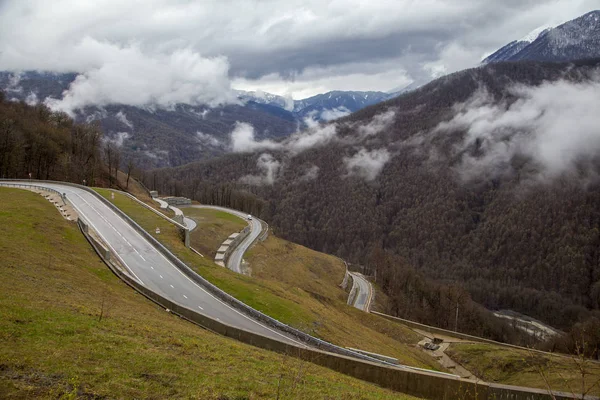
x,y
243,140
208,140
367,164
311,173
269,168
379,123
121,116
555,125
329,115
160,51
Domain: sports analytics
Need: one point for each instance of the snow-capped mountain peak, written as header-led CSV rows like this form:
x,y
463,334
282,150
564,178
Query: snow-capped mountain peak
x,y
573,40
536,33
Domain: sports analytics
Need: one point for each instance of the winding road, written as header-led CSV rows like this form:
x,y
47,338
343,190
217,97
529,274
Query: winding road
x,y
149,266
365,291
234,262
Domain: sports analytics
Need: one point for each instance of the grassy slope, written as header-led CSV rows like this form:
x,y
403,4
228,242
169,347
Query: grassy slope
x,y
214,227
515,367
313,299
312,279
53,345
315,307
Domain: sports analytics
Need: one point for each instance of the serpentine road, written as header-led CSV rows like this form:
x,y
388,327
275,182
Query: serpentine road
x,y
234,262
149,266
364,288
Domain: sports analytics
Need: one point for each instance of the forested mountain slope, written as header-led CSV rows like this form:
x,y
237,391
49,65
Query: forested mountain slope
x,y
456,180
47,145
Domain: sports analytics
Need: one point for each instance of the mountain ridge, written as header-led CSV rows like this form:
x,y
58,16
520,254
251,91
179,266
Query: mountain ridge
x,y
572,40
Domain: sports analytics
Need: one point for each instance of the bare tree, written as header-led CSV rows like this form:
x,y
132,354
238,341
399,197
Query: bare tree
x,y
130,167
109,151
117,157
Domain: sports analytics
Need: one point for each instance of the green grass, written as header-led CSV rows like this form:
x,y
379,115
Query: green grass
x,y
299,287
214,227
54,345
522,368
305,294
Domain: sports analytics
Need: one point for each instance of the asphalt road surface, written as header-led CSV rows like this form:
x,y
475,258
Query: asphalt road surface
x,y
150,267
363,297
234,262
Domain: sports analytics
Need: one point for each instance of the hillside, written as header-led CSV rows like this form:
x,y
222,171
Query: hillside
x,y
71,329
314,304
408,181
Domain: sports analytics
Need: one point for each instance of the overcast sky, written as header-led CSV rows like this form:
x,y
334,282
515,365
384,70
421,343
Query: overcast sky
x,y
163,51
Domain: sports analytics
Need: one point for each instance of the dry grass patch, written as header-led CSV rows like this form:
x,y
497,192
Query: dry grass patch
x,y
523,368
214,227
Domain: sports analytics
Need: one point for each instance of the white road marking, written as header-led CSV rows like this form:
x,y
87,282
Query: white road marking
x,y
153,250
102,236
185,296
200,308
161,277
172,287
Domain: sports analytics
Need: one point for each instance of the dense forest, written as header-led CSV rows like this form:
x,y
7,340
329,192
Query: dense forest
x,y
38,143
511,241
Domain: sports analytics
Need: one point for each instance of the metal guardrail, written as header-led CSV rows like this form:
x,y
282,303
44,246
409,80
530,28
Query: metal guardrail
x,y
489,391
226,297
44,188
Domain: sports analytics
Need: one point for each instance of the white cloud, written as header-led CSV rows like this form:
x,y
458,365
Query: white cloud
x,y
208,140
121,116
339,112
379,123
367,164
119,138
296,48
269,168
128,75
13,84
312,137
554,124
311,173
31,99
243,141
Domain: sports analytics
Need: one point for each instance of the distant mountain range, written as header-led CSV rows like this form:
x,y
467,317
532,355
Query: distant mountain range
x,y
573,40
157,137
326,106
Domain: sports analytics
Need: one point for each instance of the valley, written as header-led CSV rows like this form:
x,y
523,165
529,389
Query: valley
x,y
228,200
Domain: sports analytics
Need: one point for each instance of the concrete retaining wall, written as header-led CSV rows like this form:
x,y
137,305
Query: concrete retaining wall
x,y
243,234
434,330
182,228
417,383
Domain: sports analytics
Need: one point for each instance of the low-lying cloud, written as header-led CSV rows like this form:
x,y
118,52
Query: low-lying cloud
x,y
131,76
208,140
122,117
556,125
270,169
335,113
378,124
243,138
310,174
367,164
